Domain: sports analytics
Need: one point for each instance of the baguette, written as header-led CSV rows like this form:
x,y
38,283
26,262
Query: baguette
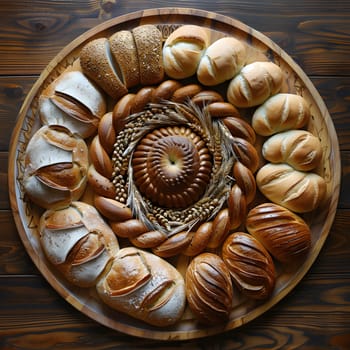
x,y
183,50
143,286
296,190
298,148
222,60
255,83
280,113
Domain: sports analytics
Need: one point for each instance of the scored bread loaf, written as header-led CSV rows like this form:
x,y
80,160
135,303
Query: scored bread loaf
x,y
72,100
56,165
209,288
183,50
283,233
98,64
148,41
78,242
280,113
296,190
250,265
298,148
143,286
222,60
254,84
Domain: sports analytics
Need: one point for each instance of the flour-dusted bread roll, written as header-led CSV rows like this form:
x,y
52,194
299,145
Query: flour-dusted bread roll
x,y
123,48
254,84
296,190
298,148
183,50
78,242
280,113
149,45
97,62
222,60
55,167
283,233
74,101
250,265
143,286
209,288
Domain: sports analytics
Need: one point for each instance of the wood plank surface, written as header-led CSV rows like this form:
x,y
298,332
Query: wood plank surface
x,y
315,315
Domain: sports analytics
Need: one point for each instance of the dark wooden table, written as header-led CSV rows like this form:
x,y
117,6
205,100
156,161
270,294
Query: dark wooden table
x,y
316,314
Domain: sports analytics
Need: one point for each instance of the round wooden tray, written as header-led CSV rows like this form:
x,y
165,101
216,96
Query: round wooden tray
x,y
168,19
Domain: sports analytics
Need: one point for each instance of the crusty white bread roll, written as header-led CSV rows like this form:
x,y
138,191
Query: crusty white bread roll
x,y
74,101
280,113
124,50
97,62
183,50
149,45
209,289
296,190
283,233
298,148
143,286
250,265
78,242
222,60
254,84
56,165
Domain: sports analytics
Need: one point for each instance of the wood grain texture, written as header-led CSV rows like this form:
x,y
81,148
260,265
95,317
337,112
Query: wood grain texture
x,y
315,315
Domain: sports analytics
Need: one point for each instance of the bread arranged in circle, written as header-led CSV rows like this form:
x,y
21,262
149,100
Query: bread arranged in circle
x,y
189,153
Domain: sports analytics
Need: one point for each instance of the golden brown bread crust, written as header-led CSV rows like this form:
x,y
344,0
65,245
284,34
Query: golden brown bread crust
x,y
279,113
298,148
56,166
250,265
183,50
148,40
222,60
143,286
283,233
78,242
254,84
124,50
209,288
97,63
296,190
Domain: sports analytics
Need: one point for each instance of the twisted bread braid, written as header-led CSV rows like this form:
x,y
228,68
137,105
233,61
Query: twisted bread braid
x,y
111,198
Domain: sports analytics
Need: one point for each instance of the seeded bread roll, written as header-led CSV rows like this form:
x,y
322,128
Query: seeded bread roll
x,y
143,286
222,60
255,83
298,148
73,101
97,63
296,190
280,113
148,40
183,50
283,233
124,50
78,242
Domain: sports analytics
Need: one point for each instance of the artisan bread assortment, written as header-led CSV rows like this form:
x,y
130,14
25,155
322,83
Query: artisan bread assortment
x,y
171,167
